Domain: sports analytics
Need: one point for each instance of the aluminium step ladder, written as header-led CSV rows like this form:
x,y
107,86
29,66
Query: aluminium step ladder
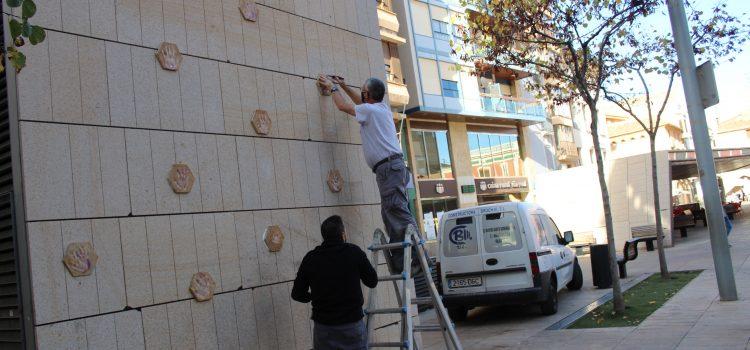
x,y
445,326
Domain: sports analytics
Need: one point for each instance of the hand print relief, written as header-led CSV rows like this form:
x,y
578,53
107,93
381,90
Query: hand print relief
x,y
274,238
202,286
80,258
249,10
335,181
261,122
181,178
169,56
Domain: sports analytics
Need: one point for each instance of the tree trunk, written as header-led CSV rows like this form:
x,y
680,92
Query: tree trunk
x,y
617,299
657,212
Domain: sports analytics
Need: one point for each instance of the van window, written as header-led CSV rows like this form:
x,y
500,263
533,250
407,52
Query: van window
x,y
501,232
541,233
460,237
553,234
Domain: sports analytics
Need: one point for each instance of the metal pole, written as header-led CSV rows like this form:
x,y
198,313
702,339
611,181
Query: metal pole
x,y
703,153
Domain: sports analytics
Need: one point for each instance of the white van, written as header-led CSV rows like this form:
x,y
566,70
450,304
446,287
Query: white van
x,y
505,253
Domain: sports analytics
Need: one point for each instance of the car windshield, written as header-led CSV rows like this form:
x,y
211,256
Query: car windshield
x,y
460,237
501,232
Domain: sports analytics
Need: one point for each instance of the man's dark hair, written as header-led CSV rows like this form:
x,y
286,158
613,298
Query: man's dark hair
x,y
332,228
376,89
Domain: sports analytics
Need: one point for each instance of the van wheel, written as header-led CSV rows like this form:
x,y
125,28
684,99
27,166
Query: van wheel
x,y
577,282
458,314
549,306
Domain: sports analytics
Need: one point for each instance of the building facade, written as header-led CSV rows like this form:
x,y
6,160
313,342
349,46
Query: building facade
x,y
97,127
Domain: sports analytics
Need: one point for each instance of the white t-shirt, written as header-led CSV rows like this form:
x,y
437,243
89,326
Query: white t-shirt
x,y
378,131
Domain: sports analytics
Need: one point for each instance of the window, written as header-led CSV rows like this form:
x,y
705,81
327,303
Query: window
x,y
432,211
541,234
440,30
450,88
501,233
431,154
494,155
553,234
460,237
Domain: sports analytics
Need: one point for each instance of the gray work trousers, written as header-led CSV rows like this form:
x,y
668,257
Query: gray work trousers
x,y
392,178
350,336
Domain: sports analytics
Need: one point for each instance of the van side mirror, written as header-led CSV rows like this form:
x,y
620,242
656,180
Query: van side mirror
x,y
568,237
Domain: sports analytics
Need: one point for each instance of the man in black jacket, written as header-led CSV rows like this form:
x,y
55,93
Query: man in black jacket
x,y
329,276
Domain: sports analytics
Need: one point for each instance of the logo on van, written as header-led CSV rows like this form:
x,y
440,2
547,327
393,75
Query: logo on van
x,y
459,235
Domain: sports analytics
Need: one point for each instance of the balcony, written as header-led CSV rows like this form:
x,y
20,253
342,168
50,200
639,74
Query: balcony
x,y
566,151
388,23
511,105
398,94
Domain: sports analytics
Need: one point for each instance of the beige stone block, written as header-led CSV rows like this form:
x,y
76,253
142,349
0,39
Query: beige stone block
x,y
135,262
340,163
287,5
247,249
246,323
48,280
195,27
191,92
146,89
217,46
363,59
229,260
299,108
363,22
235,48
248,173
226,321
120,82
48,14
283,315
163,153
314,10
326,49
284,257
100,332
231,103
110,280
48,177
140,171
180,319
264,308
207,246
204,325
267,30
312,111
170,105
264,154
312,46
297,236
161,258
283,173
185,253
252,43
352,63
87,176
152,22
230,176
248,96
356,184
329,117
94,97
156,327
174,23
312,227
283,122
267,97
186,152
301,325
128,21
326,10
343,130
34,95
210,178
284,41
211,87
299,172
114,171
301,8
82,292
65,78
103,22
325,152
129,328
266,260
64,335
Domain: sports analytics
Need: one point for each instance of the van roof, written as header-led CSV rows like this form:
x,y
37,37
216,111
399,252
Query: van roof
x,y
516,206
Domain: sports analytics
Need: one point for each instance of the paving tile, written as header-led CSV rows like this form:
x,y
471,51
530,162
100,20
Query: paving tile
x,y
128,21
229,170
267,329
204,325
64,335
140,171
195,27
48,179
48,280
247,249
146,88
283,173
135,259
217,45
231,103
156,327
129,328
229,260
152,22
192,94
35,90
163,155
181,328
174,24
186,152
246,324
120,82
226,321
110,280
65,77
266,173
208,254
266,260
248,172
208,166
94,93
299,173
170,104
100,332
211,85
87,176
103,22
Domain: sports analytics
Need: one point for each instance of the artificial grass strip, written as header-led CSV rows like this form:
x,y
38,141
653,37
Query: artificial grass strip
x,y
640,301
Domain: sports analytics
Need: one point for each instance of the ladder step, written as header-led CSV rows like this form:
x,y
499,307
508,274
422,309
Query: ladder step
x,y
422,301
389,345
429,328
393,310
388,246
400,277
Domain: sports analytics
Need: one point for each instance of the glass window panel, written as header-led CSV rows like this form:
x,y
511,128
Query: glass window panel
x,y
461,236
444,154
501,232
433,159
474,153
428,221
486,152
450,88
541,235
419,154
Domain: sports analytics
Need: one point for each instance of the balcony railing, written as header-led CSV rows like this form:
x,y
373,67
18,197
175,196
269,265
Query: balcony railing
x,y
504,104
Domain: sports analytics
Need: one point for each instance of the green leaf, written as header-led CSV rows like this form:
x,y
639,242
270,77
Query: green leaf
x,y
28,9
13,3
18,60
16,28
37,35
26,28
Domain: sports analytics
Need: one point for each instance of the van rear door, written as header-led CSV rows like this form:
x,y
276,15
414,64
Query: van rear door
x,y
460,259
504,254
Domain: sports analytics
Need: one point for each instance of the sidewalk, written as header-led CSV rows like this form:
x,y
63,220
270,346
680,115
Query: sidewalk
x,y
692,319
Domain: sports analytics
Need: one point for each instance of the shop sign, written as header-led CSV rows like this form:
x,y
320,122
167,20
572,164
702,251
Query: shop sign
x,y
500,185
437,188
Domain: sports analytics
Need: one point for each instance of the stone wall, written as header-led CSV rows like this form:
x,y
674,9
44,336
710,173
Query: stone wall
x,y
101,124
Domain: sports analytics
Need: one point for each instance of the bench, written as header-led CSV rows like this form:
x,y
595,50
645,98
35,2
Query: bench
x,y
629,253
646,233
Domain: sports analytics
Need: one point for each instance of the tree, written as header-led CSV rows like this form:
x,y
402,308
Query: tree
x,y
574,45
713,34
18,31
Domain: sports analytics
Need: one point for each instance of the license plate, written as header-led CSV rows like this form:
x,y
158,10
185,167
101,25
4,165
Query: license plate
x,y
465,282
